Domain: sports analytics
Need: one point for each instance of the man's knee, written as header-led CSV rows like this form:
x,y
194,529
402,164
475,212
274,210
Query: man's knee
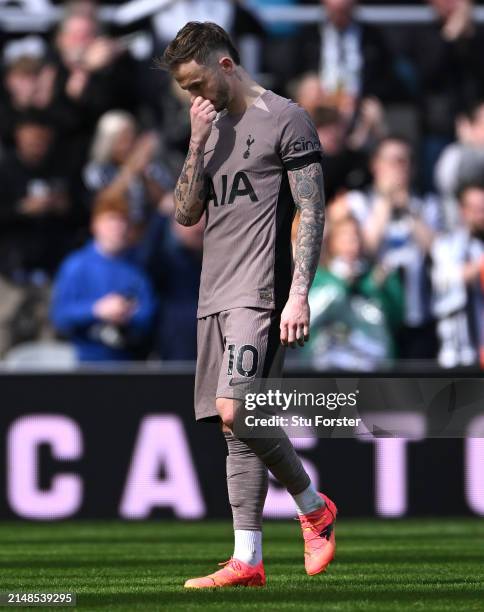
x,y
226,409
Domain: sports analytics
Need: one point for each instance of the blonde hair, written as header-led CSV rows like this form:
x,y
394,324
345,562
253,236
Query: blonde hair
x,y
108,129
332,229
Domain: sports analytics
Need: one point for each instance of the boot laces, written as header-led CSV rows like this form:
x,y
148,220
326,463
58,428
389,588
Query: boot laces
x,y
318,528
231,564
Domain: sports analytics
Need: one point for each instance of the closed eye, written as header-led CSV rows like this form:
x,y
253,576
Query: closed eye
x,y
193,86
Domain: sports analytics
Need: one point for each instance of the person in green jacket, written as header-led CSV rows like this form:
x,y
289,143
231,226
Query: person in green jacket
x,y
356,307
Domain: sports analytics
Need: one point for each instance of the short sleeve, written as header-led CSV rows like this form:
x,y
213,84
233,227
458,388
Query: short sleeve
x,y
299,143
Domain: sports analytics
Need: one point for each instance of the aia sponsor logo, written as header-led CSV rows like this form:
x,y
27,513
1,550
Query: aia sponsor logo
x,y
223,192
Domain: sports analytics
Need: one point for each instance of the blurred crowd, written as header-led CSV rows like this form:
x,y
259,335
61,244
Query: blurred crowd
x,y
93,137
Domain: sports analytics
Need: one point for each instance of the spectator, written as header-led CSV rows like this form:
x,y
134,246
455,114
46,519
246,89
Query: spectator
x,y
398,229
461,162
94,73
102,300
35,200
127,162
29,78
344,168
351,58
368,125
173,257
35,214
308,92
446,56
363,126
457,276
27,84
356,309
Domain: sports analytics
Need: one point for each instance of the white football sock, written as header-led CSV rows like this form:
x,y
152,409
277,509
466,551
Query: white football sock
x,y
248,546
308,500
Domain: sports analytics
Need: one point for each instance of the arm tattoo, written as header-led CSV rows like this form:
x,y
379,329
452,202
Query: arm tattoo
x,y
308,194
190,188
182,218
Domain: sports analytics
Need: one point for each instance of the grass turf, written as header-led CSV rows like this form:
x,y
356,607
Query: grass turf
x,y
380,566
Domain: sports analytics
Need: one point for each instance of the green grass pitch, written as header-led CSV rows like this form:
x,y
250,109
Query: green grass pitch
x,y
380,565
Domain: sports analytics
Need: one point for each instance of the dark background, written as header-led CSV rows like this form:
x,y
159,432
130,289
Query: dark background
x,y
109,409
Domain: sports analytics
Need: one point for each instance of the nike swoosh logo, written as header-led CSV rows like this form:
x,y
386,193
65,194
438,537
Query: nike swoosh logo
x,y
234,383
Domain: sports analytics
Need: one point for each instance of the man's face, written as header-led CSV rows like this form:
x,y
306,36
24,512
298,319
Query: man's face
x,y
310,93
21,85
345,242
332,137
111,232
339,12
472,207
77,33
33,142
392,164
123,144
209,82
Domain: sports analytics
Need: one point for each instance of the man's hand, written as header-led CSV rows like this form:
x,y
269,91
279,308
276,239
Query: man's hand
x,y
100,53
76,83
202,115
190,192
44,87
143,153
460,22
114,308
295,321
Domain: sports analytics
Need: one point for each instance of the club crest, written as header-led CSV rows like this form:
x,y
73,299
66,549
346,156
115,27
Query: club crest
x,y
249,142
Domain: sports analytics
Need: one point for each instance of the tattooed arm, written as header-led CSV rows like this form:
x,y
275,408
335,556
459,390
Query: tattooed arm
x,y
189,190
308,194
190,187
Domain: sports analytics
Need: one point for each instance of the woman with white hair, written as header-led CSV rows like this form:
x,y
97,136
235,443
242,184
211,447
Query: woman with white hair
x,y
123,159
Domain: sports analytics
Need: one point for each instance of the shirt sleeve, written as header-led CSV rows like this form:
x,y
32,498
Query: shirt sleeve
x,y
299,143
71,308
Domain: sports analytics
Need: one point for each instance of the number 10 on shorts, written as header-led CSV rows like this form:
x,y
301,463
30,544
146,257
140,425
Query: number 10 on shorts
x,y
241,358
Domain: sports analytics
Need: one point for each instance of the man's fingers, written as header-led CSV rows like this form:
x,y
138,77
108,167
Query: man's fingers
x,y
292,336
283,335
204,105
306,333
300,335
207,111
198,100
